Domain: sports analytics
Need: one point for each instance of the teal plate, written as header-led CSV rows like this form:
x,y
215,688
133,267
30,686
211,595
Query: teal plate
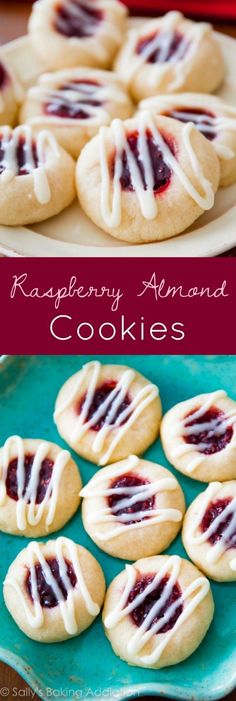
x,y
86,666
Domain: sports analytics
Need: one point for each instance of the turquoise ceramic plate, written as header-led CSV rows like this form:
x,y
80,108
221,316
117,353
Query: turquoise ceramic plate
x,y
86,666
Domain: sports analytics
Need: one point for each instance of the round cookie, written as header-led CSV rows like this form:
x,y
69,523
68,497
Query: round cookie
x,y
157,611
171,54
133,509
54,590
199,437
74,103
39,487
106,412
77,32
36,176
10,94
209,531
211,116
147,179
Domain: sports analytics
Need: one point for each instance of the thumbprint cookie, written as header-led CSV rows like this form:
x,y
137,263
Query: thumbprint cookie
x,y
74,103
150,177
133,509
157,611
39,487
209,532
10,94
171,54
106,412
199,437
77,32
36,176
54,590
211,116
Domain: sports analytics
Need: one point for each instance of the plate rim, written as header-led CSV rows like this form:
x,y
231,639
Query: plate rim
x,y
144,250
124,693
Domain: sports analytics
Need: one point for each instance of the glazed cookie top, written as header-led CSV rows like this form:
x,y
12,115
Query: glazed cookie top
x,y
210,115
50,577
79,20
170,41
214,522
129,497
31,479
205,428
152,597
104,407
142,158
77,96
24,154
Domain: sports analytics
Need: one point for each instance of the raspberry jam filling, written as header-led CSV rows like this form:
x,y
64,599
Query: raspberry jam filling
x,y
45,475
164,47
127,481
64,106
21,156
100,395
214,438
161,171
200,118
77,19
4,78
215,509
140,613
46,595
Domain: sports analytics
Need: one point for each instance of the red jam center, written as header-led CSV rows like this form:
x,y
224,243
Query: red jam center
x,y
200,118
215,509
100,395
140,613
21,156
46,595
77,19
161,171
213,436
45,475
4,78
165,49
63,106
127,481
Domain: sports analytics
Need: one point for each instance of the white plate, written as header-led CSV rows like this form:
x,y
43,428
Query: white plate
x,y
73,234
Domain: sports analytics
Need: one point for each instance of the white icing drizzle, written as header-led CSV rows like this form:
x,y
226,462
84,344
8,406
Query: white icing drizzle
x,y
215,427
190,599
193,536
78,11
97,32
132,495
49,90
46,147
27,511
179,62
91,373
64,549
111,203
223,121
